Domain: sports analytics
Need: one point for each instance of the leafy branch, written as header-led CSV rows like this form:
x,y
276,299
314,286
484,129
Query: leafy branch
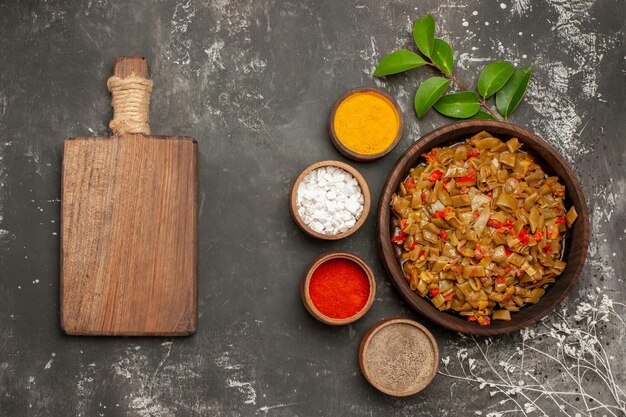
x,y
499,78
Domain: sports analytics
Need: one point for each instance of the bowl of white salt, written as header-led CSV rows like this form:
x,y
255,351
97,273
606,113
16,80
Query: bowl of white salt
x,y
329,200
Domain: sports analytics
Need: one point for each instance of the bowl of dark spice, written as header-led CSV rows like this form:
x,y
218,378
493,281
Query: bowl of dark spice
x,y
399,357
338,288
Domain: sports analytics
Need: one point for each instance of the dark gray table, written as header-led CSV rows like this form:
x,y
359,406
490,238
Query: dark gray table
x,y
253,82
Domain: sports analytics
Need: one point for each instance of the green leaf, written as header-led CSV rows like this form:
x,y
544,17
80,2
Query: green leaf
x,y
424,34
398,61
459,105
493,77
483,115
442,56
511,94
428,93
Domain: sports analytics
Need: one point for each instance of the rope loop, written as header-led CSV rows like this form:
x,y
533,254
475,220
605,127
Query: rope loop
x,y
131,104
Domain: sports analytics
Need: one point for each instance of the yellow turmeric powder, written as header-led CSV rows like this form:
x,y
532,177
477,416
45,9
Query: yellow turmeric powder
x,y
366,122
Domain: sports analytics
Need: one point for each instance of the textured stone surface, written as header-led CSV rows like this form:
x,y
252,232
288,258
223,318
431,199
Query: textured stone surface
x,y
253,83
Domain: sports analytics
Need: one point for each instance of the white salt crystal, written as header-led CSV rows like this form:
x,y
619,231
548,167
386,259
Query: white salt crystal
x,y
318,227
352,205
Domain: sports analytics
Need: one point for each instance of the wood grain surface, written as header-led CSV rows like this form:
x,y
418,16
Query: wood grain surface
x,y
129,232
575,245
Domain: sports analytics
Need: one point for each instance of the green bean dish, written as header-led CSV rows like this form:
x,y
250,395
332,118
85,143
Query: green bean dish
x,y
480,228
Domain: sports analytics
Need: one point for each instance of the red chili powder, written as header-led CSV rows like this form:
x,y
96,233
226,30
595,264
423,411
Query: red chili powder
x,y
339,288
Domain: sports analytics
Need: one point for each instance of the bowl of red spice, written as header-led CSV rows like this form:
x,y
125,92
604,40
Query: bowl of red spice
x,y
338,288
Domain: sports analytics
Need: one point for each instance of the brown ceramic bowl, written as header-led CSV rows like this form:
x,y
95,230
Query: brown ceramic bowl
x,y
348,153
575,246
364,189
306,296
427,346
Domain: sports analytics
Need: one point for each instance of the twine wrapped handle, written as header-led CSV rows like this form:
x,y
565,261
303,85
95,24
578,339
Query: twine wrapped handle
x,y
130,89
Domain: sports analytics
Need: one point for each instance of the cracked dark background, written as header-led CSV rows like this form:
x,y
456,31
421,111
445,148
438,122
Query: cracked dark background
x,y
253,82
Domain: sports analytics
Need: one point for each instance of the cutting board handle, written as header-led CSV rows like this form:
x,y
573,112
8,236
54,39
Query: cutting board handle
x,y
130,88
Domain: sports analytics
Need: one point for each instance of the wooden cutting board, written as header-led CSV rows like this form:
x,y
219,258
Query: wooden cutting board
x,y
129,213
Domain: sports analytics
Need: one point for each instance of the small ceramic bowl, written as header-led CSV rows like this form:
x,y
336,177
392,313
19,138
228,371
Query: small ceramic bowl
x,y
306,280
348,153
398,343
294,196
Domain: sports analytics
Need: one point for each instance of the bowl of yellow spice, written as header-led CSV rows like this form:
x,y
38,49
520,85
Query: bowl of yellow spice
x,y
365,124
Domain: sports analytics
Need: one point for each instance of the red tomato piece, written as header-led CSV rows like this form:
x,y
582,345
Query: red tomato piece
x,y
435,176
523,236
484,320
409,183
400,238
472,153
494,223
431,157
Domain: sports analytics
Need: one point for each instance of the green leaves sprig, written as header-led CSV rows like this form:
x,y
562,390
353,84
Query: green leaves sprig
x,y
499,78
398,61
